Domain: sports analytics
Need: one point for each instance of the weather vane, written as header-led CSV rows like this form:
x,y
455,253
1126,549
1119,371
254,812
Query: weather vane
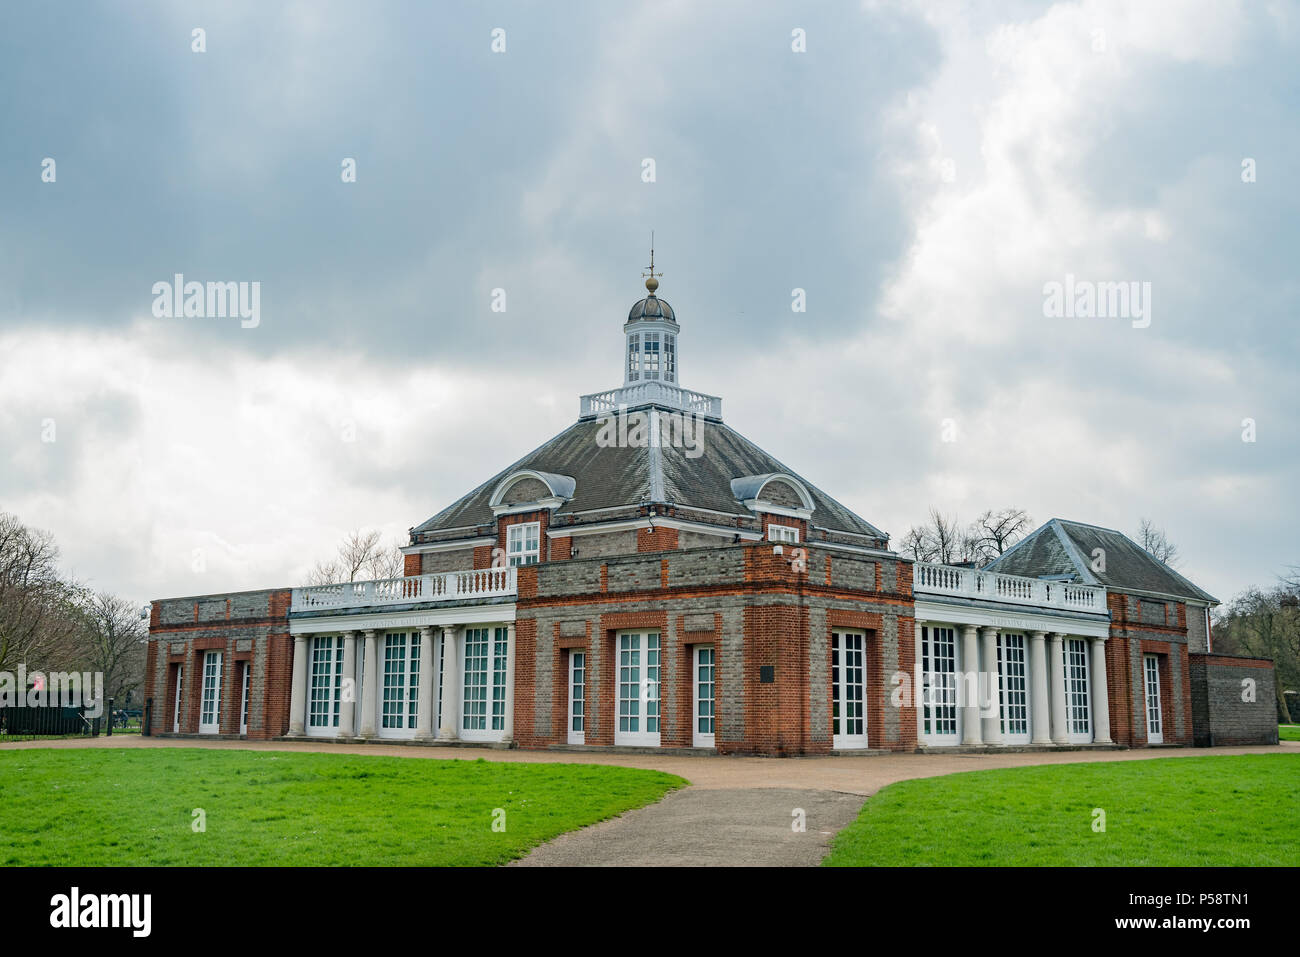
x,y
652,283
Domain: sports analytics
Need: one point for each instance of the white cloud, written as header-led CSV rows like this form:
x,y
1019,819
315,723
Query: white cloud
x,y
169,457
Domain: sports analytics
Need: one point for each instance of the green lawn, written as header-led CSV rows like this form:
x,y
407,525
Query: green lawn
x,y
1232,810
1288,732
126,807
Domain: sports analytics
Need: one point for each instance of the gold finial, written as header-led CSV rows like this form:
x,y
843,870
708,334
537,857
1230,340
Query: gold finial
x,y
652,283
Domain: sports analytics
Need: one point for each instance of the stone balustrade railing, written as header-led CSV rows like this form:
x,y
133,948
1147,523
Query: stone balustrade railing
x,y
929,578
447,586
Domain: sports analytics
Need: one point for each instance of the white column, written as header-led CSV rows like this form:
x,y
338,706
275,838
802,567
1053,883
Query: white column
x,y
450,684
348,706
918,681
992,722
425,705
1100,702
1056,663
298,690
970,665
369,685
510,682
1038,690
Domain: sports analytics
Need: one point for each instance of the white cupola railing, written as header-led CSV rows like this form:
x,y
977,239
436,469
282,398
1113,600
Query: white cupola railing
x,y
650,393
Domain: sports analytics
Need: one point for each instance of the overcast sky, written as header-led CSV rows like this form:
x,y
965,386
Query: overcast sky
x,y
922,171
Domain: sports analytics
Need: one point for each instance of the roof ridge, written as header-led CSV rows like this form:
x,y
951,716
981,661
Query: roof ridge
x,y
1072,552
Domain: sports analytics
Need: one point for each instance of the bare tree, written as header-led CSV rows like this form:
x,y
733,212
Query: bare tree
x,y
995,531
1157,544
1266,624
115,640
36,605
940,539
360,555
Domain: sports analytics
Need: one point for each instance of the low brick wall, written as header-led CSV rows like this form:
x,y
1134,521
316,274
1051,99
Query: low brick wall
x,y
1233,700
251,629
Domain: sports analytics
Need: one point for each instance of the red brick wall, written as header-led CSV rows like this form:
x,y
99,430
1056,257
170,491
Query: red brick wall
x,y
267,629
542,518
657,539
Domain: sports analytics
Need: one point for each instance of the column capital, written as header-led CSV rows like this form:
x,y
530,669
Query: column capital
x,y
1038,635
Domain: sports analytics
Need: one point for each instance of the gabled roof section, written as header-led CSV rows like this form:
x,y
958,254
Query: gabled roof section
x,y
1062,547
697,472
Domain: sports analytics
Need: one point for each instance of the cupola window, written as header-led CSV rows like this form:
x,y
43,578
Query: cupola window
x,y
651,363
633,357
670,358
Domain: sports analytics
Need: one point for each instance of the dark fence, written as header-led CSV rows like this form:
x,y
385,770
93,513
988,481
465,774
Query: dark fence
x,y
47,721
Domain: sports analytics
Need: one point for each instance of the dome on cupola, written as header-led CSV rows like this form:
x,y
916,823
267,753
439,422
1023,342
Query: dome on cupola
x,y
651,307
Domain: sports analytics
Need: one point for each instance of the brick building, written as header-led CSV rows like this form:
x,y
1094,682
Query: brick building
x,y
651,578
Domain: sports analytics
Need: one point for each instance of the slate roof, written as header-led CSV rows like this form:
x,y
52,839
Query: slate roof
x,y
612,476
1065,548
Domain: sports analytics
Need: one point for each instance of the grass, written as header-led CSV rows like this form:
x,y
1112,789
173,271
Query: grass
x,y
1288,732
1182,812
93,807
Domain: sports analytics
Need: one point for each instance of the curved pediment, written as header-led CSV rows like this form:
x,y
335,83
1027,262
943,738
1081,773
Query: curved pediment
x,y
533,488
775,491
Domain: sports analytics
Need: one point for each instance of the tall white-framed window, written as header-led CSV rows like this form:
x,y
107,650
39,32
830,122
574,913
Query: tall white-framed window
x,y
1155,723
634,357
483,693
210,704
848,690
650,357
638,689
401,683
1013,688
413,683
702,735
176,707
243,697
1078,712
783,533
670,358
522,543
442,663
941,718
577,701
325,684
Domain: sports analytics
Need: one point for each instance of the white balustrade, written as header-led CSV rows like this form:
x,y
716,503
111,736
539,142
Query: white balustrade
x,y
1014,589
447,586
642,393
